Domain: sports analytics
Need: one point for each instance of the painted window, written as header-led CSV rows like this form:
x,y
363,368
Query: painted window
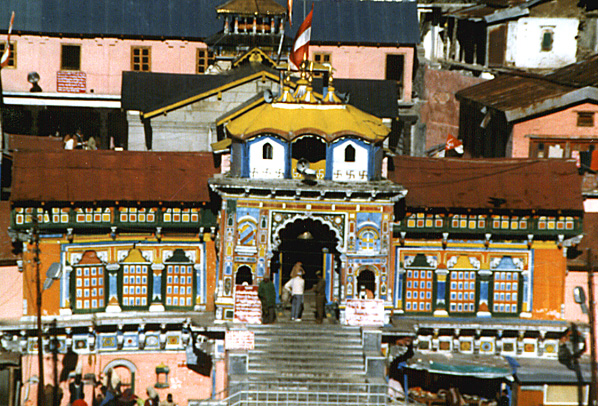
x,y
179,285
89,288
267,151
505,292
462,291
205,58
70,58
135,283
141,59
12,58
418,293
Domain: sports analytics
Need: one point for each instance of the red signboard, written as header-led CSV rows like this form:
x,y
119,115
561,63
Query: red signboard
x,y
71,82
248,308
364,312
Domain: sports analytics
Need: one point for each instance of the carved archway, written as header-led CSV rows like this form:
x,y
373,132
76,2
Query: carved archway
x,y
334,222
243,274
366,279
126,371
305,240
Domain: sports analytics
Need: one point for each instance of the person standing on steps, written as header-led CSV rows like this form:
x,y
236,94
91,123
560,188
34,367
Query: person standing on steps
x,y
320,290
296,285
267,295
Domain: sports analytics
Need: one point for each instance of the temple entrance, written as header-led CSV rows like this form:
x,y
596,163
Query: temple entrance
x,y
244,275
366,281
305,241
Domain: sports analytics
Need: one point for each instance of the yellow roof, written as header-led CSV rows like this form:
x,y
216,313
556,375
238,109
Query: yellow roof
x,y
291,120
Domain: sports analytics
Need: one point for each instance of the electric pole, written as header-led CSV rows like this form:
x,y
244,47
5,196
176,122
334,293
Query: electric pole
x,y
40,342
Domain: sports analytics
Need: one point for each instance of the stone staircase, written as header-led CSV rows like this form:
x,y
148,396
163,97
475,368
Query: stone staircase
x,y
306,352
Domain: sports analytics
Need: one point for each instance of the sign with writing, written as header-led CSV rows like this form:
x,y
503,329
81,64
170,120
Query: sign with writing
x,y
71,82
248,308
239,340
364,312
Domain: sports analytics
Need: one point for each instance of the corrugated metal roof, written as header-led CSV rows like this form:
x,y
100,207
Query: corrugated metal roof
x,y
500,184
346,21
377,97
511,92
148,18
354,21
149,92
531,94
579,74
110,176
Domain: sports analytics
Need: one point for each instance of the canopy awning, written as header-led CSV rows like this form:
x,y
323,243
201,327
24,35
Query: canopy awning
x,y
292,120
548,371
479,366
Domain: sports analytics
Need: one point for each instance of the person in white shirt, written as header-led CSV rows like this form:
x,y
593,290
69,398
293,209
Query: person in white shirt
x,y
296,286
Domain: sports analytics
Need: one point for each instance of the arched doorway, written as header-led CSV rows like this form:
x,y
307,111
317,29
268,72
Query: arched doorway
x,y
304,240
366,280
125,370
244,275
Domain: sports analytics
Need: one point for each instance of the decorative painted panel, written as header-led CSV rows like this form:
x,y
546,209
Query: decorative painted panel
x,y
179,284
350,167
469,283
88,282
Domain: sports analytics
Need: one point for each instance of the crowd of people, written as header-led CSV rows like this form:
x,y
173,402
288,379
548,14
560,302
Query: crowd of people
x,y
292,291
109,391
78,141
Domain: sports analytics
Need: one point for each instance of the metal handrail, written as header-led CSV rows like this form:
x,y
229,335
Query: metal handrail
x,y
282,393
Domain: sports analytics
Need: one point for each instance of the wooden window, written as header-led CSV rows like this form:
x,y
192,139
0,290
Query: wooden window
x,y
322,57
205,58
267,151
70,57
12,58
585,119
547,40
141,59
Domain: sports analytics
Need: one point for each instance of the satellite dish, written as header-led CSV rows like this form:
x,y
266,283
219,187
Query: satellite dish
x,y
33,77
268,97
52,273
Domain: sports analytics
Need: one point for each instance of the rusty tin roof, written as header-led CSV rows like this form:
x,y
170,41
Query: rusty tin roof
x,y
524,94
112,176
498,184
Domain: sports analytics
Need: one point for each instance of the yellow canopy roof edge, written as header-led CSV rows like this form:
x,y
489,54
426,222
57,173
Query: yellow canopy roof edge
x,y
221,145
292,120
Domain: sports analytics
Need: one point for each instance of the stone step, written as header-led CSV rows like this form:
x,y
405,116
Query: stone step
x,y
289,353
313,376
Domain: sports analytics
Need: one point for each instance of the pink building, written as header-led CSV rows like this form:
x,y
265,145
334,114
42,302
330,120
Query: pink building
x,y
66,73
